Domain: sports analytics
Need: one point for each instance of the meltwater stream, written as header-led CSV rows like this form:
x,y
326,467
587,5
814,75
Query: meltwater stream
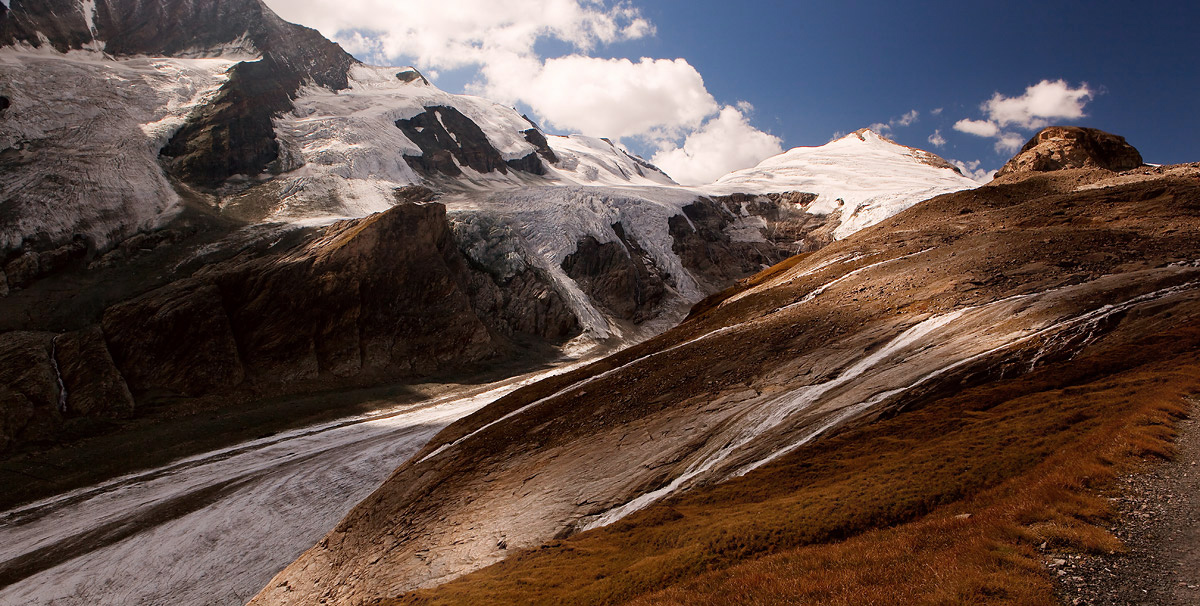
x,y
212,529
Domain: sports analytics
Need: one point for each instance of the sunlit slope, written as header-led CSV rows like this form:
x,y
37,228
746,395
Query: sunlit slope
x,y
1008,289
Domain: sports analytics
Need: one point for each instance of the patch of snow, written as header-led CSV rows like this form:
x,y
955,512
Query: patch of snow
x,y
864,176
89,129
774,414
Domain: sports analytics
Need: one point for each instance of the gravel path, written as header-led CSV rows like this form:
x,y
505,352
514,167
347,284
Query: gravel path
x,y
1160,524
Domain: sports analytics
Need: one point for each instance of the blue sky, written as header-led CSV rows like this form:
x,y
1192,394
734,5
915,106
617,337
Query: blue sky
x,y
731,82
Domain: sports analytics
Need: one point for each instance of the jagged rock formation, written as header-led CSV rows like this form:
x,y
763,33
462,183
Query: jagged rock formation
x,y
1066,147
444,134
620,276
718,251
942,297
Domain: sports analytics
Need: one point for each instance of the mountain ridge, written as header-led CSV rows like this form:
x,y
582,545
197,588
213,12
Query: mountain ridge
x,y
944,297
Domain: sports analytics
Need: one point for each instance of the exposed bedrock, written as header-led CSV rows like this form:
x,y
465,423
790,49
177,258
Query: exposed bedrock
x,y
48,381
931,301
1066,147
444,135
233,134
28,388
538,140
387,297
619,276
723,239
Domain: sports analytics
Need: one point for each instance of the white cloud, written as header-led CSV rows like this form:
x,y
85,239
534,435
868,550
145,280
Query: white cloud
x,y
464,33
724,144
1009,143
1041,103
936,139
935,112
905,120
661,101
606,97
973,171
602,97
979,128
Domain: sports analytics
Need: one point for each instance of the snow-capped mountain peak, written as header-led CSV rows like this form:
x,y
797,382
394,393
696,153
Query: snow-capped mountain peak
x,y
863,176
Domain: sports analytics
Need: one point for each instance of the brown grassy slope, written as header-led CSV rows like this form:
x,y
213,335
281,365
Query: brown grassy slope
x,y
984,448
868,517
533,476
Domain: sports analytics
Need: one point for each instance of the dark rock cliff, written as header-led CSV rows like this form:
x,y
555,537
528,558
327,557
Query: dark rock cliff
x,y
444,135
388,297
620,276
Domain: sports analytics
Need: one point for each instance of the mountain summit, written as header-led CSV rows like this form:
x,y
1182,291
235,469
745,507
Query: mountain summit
x,y
1066,147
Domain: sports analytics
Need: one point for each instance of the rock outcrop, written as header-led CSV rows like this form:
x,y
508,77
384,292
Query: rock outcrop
x,y
619,276
725,238
388,297
1066,147
383,297
29,389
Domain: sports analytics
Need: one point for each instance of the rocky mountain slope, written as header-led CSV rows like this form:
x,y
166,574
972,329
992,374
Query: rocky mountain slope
x,y
174,175
1042,281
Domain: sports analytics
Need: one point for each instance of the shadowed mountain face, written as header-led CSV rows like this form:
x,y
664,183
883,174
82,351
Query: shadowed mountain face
x,y
159,244
958,292
383,298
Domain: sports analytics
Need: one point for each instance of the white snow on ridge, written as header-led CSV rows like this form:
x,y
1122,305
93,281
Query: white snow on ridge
x,y
348,147
587,160
865,176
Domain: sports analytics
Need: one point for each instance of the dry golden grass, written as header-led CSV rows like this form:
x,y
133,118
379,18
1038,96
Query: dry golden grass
x,y
876,515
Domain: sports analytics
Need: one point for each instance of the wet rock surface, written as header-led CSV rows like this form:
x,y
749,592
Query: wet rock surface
x,y
28,389
1159,523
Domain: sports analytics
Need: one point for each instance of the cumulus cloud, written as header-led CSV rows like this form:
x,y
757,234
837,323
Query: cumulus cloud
x,y
607,97
1009,143
979,128
973,171
464,33
936,139
724,144
1041,103
662,102
935,112
905,120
